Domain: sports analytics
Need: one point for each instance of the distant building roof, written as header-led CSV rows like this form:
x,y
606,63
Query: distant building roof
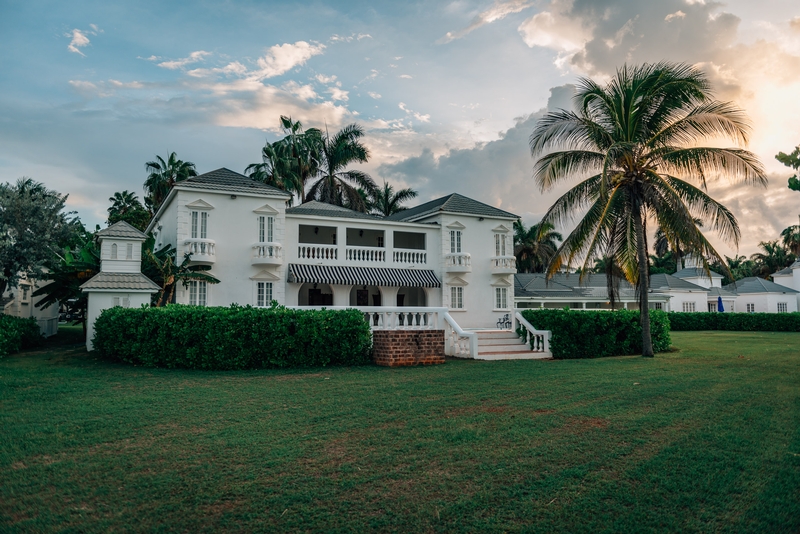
x,y
719,292
453,203
323,209
668,281
120,281
788,270
757,285
226,180
121,230
569,286
695,272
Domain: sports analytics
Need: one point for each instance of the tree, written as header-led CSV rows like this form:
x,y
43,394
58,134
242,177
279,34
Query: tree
x,y
792,160
275,168
664,242
637,141
336,185
534,247
163,176
791,239
125,206
167,273
386,201
33,225
773,258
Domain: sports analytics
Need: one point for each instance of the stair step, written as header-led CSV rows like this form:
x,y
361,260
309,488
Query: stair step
x,y
500,341
522,355
497,335
504,348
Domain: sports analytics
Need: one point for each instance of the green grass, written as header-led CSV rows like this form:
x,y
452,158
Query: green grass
x,y
705,439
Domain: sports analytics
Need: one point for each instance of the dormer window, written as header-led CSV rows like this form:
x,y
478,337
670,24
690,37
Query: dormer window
x,y
199,224
113,251
265,229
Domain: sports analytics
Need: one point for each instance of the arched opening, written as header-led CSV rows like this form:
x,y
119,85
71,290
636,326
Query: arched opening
x,y
365,296
411,296
315,295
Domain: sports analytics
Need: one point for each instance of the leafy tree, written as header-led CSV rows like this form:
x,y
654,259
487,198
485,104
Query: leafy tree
x,y
534,247
639,139
125,206
336,185
166,272
774,257
276,168
33,224
792,160
664,242
791,239
665,263
163,176
385,200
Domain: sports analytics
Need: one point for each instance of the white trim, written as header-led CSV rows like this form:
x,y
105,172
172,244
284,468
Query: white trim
x,y
501,229
457,281
266,276
266,209
502,282
455,225
199,204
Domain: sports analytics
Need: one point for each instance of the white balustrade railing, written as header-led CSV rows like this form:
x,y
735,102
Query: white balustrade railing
x,y
537,340
406,256
457,342
204,247
365,254
504,262
457,260
317,252
268,251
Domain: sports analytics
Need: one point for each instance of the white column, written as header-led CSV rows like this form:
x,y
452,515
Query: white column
x,y
341,295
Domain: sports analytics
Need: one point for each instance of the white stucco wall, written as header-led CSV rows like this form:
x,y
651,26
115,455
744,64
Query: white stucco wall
x,y
101,300
677,298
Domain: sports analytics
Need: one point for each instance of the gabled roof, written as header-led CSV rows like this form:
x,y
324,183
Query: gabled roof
x,y
226,180
322,209
719,292
788,270
120,282
695,272
569,286
757,285
121,230
453,203
668,281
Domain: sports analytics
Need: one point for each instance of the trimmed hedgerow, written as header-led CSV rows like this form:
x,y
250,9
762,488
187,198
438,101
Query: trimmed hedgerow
x,y
217,338
738,322
17,333
595,334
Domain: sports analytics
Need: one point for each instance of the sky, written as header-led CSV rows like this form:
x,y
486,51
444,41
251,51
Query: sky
x,y
447,92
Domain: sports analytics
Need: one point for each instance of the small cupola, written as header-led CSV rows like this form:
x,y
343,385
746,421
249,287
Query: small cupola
x,y
121,248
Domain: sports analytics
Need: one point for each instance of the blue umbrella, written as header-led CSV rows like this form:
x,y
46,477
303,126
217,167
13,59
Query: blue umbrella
x,y
720,307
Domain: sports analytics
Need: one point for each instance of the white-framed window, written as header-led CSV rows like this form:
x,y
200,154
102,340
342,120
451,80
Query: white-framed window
x,y
198,293
501,298
455,241
712,307
263,294
688,306
500,241
380,241
265,229
199,224
113,251
129,251
658,305
783,307
457,297
751,308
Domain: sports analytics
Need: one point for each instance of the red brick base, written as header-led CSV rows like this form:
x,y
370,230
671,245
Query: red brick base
x,y
396,348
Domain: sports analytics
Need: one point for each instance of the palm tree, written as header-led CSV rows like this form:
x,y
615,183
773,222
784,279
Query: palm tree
x,y
275,168
168,273
774,257
125,206
386,201
336,185
664,242
637,141
791,239
534,247
163,176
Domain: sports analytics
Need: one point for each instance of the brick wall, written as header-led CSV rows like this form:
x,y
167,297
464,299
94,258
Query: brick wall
x,y
396,348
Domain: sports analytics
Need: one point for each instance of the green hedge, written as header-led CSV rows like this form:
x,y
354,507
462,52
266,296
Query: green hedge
x,y
740,322
595,334
17,334
217,338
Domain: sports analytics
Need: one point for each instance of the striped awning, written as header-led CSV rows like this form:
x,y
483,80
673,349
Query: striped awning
x,y
372,276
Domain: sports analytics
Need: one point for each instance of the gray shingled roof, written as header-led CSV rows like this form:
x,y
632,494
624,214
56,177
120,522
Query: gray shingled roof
x,y
719,292
569,286
121,281
668,281
121,230
228,181
321,209
757,285
788,270
695,272
454,203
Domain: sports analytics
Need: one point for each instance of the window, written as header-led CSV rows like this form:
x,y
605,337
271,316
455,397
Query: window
x,y
24,293
263,294
501,298
265,226
113,251
783,307
751,308
199,222
688,306
126,302
380,241
658,305
499,244
455,241
197,293
129,251
457,298
712,307
116,301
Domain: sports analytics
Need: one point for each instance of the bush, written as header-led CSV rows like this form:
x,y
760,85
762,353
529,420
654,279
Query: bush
x,y
595,334
738,322
17,333
217,338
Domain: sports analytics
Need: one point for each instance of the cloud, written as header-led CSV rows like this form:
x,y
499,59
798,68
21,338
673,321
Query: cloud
x,y
677,15
280,59
419,116
795,24
194,57
335,38
126,85
499,10
321,78
374,95
231,69
337,94
406,76
79,39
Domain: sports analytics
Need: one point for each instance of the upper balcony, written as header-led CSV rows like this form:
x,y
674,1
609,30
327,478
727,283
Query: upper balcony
x,y
202,251
504,264
458,262
267,254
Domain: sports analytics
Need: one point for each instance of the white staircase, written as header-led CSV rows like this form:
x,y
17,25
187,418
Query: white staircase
x,y
506,345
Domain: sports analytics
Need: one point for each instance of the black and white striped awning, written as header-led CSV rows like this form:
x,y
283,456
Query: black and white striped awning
x,y
373,276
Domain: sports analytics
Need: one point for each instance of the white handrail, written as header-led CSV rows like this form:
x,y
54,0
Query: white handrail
x,y
537,340
472,337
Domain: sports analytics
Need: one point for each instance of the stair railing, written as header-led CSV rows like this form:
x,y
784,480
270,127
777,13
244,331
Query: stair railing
x,y
537,340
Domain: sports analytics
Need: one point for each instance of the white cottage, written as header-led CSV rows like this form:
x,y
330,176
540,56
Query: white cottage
x,y
20,302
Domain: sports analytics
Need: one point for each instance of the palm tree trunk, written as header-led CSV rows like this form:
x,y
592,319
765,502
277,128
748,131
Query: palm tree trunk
x,y
644,286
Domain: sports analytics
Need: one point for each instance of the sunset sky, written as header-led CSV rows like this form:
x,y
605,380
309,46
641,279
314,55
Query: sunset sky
x,y
448,92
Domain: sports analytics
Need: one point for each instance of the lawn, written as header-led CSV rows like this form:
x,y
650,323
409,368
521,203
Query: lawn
x,y
703,439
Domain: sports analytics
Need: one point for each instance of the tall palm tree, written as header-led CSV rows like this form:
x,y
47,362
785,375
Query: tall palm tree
x,y
791,239
664,242
534,247
336,185
635,142
125,206
275,168
386,201
163,176
774,257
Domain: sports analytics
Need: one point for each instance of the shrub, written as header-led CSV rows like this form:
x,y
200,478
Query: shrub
x,y
595,334
217,338
17,333
741,322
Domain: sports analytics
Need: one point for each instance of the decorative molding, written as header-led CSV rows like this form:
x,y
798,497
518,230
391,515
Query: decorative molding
x,y
266,209
501,229
199,204
457,281
501,282
267,276
455,225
